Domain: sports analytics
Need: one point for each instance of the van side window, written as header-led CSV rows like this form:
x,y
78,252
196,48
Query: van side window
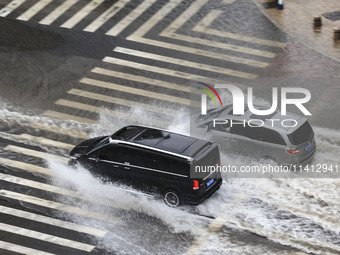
x,y
130,155
109,152
142,158
179,166
271,136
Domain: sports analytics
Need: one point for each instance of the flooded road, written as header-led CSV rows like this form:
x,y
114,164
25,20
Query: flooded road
x,y
77,73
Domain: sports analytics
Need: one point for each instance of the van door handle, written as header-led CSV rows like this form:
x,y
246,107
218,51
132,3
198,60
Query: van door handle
x,y
233,139
125,167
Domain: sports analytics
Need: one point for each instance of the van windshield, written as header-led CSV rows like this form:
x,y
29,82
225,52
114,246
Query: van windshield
x,y
301,135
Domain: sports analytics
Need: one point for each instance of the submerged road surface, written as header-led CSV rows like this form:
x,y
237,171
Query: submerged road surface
x,y
76,69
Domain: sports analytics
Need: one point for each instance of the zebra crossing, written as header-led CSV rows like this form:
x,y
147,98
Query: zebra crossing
x,y
144,80
32,180
157,83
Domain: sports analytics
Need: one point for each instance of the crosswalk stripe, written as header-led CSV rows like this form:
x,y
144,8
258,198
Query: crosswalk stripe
x,y
81,14
35,153
77,105
45,171
152,21
26,166
34,10
61,130
170,31
56,13
47,142
140,92
52,221
120,101
166,9
10,7
108,14
54,189
196,51
295,253
21,249
185,16
95,109
65,116
46,237
221,45
138,78
57,206
24,138
187,63
187,76
131,17
202,27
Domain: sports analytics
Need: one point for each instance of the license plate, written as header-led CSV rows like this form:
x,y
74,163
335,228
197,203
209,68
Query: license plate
x,y
308,147
210,182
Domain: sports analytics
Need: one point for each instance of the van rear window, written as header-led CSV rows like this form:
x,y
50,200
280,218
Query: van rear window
x,y
301,135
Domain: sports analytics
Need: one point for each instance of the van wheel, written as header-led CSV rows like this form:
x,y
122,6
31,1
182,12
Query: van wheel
x,y
171,198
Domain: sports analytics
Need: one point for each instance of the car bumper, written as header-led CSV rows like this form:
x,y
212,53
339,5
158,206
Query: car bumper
x,y
196,200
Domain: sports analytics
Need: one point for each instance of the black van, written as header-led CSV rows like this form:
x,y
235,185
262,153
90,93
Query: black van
x,y
153,160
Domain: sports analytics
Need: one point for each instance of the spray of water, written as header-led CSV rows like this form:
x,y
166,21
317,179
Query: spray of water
x,y
301,213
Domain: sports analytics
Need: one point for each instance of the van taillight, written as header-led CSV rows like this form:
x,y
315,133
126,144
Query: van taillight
x,y
293,151
196,185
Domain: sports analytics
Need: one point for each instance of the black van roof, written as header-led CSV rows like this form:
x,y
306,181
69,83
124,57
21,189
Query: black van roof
x,y
162,140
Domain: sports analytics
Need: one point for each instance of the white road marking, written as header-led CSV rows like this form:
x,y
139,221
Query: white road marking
x,y
55,189
47,142
34,10
60,130
296,253
116,114
46,237
185,16
131,17
170,31
186,63
155,69
138,78
65,116
21,249
163,12
81,14
139,92
57,206
166,9
205,53
26,166
119,101
225,46
106,16
56,13
35,153
202,27
10,7
52,221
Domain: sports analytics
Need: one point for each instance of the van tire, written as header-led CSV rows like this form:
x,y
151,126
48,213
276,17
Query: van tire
x,y
171,198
